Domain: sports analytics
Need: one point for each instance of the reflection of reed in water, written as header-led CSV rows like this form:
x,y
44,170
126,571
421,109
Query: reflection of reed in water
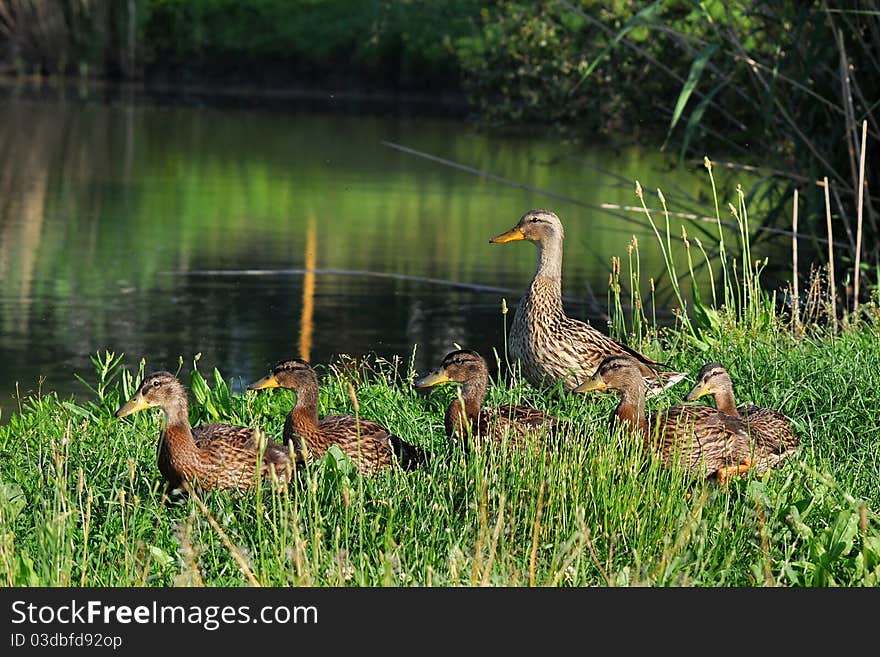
x,y
23,180
306,323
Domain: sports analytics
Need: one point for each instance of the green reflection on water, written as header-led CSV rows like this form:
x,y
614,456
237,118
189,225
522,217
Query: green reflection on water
x,y
105,208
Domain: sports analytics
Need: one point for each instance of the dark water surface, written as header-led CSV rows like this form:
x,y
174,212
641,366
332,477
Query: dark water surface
x,y
165,231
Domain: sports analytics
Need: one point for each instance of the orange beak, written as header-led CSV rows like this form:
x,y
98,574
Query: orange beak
x,y
512,235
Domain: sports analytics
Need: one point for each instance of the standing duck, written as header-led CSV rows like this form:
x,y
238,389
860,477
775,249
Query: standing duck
x,y
549,345
209,456
368,444
465,418
707,441
770,429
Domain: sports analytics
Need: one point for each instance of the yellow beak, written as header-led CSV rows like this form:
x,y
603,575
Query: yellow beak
x,y
697,392
513,235
135,404
596,382
266,382
432,379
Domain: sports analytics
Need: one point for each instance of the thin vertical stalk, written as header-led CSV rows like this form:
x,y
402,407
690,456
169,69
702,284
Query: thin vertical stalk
x,y
832,311
722,256
795,301
859,217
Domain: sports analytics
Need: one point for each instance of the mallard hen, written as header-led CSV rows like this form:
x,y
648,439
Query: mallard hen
x,y
549,345
211,455
701,439
771,431
367,443
466,418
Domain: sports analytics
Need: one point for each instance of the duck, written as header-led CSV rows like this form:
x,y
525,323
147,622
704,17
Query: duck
x,y
209,456
370,446
465,417
704,441
771,430
549,345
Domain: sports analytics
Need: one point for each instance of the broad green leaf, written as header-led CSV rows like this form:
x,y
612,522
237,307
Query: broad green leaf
x,y
694,119
706,316
838,538
696,71
12,501
794,520
161,556
25,575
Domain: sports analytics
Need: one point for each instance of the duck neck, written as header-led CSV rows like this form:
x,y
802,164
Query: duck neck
x,y
547,282
302,421
549,259
464,410
177,435
631,409
725,402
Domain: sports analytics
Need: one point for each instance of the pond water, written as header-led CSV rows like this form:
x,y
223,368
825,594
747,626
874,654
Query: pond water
x,y
248,234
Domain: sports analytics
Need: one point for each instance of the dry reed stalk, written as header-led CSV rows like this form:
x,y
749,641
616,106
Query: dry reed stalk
x,y
859,217
832,309
795,310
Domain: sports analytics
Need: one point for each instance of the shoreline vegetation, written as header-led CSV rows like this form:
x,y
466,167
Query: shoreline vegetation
x,y
785,88
82,501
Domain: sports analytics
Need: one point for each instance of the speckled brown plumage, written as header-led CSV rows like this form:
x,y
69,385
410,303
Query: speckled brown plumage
x,y
773,436
465,417
367,443
209,456
700,439
549,345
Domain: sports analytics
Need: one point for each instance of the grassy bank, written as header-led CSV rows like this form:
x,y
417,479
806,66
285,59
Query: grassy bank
x,y
83,494
82,501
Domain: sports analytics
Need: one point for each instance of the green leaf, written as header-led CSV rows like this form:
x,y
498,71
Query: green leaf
x,y
645,14
706,316
79,410
25,575
838,538
794,520
871,550
696,71
161,556
339,461
694,119
12,501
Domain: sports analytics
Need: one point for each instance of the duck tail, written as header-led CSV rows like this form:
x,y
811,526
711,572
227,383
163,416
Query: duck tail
x,y
662,381
409,456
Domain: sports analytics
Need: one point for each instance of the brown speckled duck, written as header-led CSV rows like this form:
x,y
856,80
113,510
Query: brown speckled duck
x,y
368,444
465,417
773,436
707,441
549,345
209,456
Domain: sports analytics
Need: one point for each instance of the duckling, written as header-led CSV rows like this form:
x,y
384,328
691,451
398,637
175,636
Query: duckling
x,y
707,441
465,418
367,443
771,430
550,345
209,456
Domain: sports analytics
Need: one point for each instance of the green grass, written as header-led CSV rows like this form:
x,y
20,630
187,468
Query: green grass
x,y
81,496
